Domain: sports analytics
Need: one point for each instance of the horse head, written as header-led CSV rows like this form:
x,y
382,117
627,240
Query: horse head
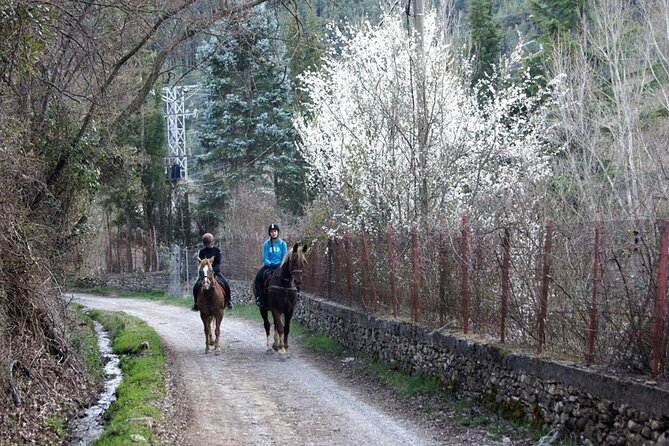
x,y
296,261
206,272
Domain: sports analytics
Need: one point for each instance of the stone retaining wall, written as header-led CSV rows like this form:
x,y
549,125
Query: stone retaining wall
x,y
159,280
597,408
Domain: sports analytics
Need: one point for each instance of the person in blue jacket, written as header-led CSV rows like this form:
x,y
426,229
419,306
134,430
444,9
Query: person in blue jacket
x,y
208,251
273,251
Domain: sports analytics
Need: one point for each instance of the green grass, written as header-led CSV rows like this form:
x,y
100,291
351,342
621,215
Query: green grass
x,y
134,411
104,290
249,312
323,344
84,341
406,385
57,425
493,420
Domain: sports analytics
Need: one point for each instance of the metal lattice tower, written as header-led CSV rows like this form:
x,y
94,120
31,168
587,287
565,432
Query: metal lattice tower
x,y
176,164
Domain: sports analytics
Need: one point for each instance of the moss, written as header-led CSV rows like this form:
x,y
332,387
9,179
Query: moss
x,y
508,409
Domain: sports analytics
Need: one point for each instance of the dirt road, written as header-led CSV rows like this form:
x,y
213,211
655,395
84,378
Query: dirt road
x,y
246,396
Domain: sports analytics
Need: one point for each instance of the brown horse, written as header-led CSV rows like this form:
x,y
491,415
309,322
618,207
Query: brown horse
x,y
211,302
280,297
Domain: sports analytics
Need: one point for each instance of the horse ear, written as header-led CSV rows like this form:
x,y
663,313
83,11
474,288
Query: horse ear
x,y
211,259
199,260
296,247
304,248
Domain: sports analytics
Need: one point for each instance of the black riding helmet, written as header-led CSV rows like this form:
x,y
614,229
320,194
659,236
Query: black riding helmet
x,y
273,226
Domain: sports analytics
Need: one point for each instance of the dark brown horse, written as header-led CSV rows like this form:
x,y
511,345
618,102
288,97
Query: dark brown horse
x,y
280,297
211,302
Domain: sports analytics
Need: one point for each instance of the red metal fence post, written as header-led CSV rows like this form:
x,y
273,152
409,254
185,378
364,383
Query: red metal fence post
x,y
371,275
366,270
660,301
328,267
592,332
442,280
465,276
391,265
506,260
349,269
541,323
415,289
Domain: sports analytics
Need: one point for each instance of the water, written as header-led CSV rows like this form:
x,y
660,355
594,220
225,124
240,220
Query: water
x,y
88,428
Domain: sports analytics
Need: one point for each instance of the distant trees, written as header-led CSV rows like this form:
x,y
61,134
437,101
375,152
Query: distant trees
x,y
613,117
246,130
485,38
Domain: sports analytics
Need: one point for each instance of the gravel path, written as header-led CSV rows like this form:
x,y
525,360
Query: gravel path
x,y
246,396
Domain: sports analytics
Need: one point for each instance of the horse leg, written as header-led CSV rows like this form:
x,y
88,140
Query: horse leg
x,y
217,331
286,329
207,331
266,324
278,332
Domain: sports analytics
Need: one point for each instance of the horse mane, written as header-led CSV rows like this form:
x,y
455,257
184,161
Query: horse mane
x,y
300,254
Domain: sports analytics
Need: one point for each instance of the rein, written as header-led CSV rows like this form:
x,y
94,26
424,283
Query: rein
x,y
279,287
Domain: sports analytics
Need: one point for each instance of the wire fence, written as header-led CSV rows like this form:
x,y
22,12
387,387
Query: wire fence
x,y
584,292
589,292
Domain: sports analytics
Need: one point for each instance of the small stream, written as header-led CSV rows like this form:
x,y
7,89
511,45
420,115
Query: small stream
x,y
86,429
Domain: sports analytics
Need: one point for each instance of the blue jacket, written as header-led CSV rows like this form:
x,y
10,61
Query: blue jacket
x,y
273,252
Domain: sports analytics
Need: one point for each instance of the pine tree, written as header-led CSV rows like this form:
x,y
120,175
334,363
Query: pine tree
x,y
556,18
247,132
486,38
305,47
142,201
558,21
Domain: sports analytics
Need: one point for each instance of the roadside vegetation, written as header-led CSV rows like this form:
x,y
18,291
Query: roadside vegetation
x,y
135,413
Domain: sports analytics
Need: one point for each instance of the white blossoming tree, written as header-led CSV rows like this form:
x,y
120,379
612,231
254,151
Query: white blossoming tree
x,y
359,134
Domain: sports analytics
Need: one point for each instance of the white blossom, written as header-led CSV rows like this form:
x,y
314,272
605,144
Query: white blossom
x,y
359,133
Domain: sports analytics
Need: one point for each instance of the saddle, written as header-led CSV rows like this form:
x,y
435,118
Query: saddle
x,y
266,277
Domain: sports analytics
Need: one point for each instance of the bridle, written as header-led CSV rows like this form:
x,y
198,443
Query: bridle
x,y
288,279
207,276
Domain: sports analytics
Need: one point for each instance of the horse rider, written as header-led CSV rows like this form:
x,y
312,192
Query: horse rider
x,y
273,251
208,251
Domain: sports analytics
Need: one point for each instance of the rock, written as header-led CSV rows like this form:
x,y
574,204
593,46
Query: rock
x,y
663,439
552,438
136,438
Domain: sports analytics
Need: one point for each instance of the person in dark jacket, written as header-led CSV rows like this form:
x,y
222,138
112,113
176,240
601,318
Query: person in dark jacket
x,y
208,251
273,251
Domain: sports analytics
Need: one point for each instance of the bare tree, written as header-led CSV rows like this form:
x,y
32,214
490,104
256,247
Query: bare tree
x,y
71,73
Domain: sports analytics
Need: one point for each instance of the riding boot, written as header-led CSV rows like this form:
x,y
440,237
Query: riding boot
x,y
228,295
196,287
